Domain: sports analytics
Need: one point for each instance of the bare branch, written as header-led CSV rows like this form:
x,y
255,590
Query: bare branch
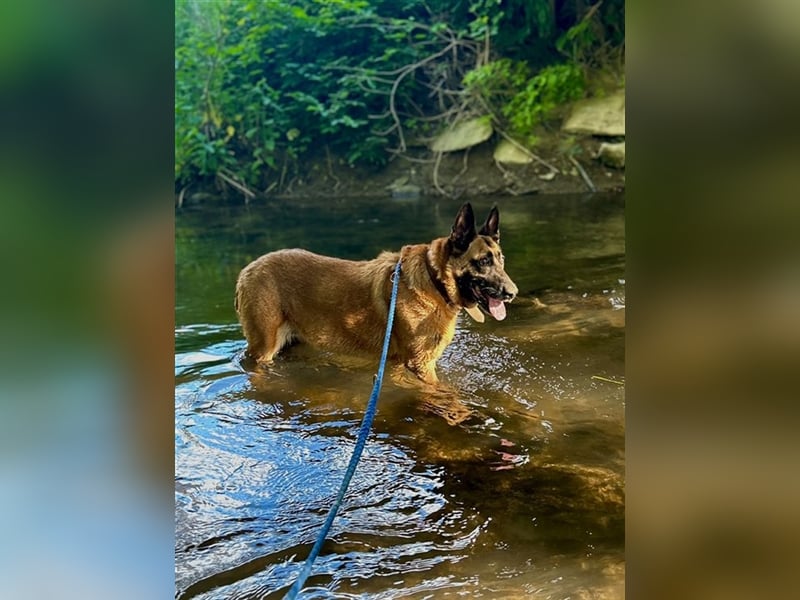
x,y
583,173
233,181
519,146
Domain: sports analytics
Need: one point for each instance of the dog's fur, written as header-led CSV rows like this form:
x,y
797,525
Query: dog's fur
x,y
342,305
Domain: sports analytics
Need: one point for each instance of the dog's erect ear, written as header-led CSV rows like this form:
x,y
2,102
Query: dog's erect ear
x,y
492,225
464,228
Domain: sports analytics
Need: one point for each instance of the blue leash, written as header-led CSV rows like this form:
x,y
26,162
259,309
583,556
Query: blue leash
x,y
363,432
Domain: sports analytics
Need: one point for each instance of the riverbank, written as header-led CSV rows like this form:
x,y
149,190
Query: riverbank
x,y
465,173
582,151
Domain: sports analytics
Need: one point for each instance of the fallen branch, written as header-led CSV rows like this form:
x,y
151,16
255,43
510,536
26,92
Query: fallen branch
x,y
522,148
330,168
233,182
583,173
180,196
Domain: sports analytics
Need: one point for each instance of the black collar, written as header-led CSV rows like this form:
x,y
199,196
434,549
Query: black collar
x,y
437,283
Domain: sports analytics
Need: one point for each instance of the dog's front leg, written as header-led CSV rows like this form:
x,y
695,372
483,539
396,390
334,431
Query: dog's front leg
x,y
425,371
436,397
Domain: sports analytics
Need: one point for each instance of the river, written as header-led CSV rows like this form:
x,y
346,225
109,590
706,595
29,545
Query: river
x,y
523,498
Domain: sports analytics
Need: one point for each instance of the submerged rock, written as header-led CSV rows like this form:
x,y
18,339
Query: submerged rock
x,y
406,192
464,134
598,116
402,189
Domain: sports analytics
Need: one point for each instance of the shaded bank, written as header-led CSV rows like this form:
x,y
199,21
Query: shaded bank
x,y
466,173
279,100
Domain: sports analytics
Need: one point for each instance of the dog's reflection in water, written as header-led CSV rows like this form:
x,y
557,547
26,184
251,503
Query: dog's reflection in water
x,y
332,381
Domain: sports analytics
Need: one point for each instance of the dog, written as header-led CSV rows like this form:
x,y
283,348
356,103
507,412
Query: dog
x,y
343,305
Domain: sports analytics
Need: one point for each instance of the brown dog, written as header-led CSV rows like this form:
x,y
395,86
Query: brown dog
x,y
342,305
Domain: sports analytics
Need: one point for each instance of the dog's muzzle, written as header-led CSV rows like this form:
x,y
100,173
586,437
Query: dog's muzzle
x,y
507,296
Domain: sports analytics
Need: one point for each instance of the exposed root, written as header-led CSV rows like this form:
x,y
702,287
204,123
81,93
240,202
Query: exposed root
x,y
464,166
436,175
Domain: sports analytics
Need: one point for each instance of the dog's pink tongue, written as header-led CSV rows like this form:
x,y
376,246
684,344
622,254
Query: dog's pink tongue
x,y
497,308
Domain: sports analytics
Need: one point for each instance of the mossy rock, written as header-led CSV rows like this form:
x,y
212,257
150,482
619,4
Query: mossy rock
x,y
598,116
507,153
464,134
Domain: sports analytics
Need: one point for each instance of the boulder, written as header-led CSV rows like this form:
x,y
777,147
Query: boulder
x,y
401,189
464,134
508,153
612,155
598,116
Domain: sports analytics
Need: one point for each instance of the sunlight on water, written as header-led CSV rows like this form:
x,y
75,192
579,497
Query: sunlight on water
x,y
525,496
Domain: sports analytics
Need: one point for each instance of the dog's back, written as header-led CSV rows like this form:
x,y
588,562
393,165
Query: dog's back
x,y
328,302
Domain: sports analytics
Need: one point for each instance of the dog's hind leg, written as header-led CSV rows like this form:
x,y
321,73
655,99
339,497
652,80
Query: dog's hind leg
x,y
266,338
265,330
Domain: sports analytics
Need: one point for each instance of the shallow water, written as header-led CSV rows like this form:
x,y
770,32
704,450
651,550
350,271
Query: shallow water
x,y
524,496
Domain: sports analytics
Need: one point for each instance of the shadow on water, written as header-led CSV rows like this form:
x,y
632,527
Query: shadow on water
x,y
522,494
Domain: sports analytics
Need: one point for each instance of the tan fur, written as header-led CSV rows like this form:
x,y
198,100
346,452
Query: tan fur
x,y
342,305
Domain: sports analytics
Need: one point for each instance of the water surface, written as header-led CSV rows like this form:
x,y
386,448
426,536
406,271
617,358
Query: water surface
x,y
515,489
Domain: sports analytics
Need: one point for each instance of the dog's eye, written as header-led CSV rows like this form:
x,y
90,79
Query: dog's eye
x,y
485,261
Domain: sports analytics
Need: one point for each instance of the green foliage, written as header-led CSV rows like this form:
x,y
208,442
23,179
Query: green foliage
x,y
498,80
550,88
252,87
262,84
597,37
523,100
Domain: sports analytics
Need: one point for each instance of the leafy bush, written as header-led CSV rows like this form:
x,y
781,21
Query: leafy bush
x,y
523,100
548,89
263,84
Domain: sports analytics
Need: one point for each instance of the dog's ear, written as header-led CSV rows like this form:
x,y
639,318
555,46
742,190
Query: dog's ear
x,y
492,225
464,228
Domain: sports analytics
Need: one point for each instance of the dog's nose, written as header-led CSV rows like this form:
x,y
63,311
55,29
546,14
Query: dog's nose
x,y
509,292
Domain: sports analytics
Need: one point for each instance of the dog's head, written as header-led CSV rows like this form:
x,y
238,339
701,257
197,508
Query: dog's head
x,y
478,265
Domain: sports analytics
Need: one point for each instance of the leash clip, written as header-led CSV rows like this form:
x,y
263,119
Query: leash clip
x,y
396,271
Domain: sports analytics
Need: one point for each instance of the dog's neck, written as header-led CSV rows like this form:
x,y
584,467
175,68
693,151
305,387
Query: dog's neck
x,y
437,283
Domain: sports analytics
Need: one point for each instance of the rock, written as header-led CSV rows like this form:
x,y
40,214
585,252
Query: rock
x,y
612,155
506,152
464,134
199,198
598,116
406,192
401,189
400,181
